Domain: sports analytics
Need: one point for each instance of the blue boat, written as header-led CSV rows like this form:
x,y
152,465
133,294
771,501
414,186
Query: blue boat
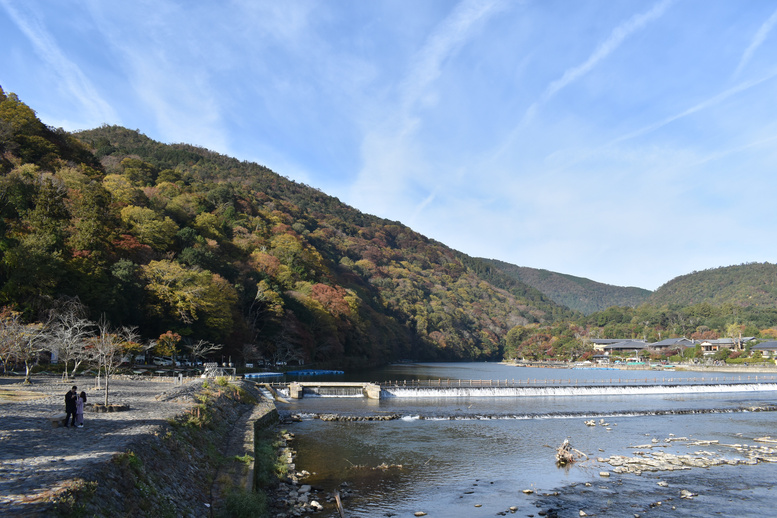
x,y
263,375
313,373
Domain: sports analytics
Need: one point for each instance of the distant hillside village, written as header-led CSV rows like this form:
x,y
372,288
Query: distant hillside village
x,y
615,349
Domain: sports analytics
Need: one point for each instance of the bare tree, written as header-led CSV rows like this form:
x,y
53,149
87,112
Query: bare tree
x,y
6,348
202,348
286,350
251,352
22,342
69,333
109,347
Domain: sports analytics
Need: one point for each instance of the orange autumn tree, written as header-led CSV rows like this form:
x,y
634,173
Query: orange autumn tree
x,y
166,344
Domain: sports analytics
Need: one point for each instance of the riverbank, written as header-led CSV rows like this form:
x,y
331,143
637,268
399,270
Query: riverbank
x,y
161,455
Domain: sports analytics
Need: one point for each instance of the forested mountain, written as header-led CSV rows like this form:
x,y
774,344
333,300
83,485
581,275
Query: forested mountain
x,y
577,293
178,238
752,284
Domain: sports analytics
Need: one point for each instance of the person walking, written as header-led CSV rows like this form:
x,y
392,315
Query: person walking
x,y
70,406
80,403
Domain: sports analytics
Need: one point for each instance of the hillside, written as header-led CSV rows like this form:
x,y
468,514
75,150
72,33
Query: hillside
x,y
576,293
178,238
752,284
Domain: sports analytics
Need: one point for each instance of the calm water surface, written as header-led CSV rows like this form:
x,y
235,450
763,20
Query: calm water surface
x,y
473,456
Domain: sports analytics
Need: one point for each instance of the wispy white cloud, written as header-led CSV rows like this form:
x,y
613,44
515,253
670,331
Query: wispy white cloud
x,y
615,39
757,41
167,68
564,160
444,41
75,82
704,105
392,162
607,47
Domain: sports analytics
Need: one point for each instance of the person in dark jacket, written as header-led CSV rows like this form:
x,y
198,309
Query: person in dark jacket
x,y
70,406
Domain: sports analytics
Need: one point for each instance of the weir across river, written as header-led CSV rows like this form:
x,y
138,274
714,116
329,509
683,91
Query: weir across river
x,y
446,388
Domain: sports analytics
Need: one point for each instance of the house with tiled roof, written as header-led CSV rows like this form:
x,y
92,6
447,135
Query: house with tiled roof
x,y
626,346
712,346
599,344
767,349
672,343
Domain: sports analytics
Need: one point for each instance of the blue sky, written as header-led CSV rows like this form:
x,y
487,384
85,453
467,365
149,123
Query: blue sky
x,y
628,142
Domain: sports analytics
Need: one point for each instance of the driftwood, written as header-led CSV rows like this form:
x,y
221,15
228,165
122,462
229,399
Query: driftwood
x,y
566,454
340,508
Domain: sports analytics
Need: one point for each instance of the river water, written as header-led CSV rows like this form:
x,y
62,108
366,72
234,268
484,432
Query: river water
x,y
460,452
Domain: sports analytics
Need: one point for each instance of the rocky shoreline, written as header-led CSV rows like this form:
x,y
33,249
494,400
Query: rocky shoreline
x,y
654,482
656,460
330,417
292,498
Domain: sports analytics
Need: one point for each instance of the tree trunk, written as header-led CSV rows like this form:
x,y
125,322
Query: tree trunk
x,y
76,364
106,389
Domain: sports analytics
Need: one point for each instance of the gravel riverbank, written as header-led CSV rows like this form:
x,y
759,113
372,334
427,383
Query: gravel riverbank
x,y
39,463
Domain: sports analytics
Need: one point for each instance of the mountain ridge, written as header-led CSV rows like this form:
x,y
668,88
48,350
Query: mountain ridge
x,y
747,284
577,293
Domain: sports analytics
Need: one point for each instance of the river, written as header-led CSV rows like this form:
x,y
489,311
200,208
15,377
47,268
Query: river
x,y
470,454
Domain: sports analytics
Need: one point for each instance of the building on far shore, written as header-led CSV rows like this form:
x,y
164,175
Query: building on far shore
x,y
601,344
709,347
672,343
626,346
767,349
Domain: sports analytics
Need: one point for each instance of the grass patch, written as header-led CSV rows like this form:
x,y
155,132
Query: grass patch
x,y
244,504
72,503
130,460
12,395
245,459
269,465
